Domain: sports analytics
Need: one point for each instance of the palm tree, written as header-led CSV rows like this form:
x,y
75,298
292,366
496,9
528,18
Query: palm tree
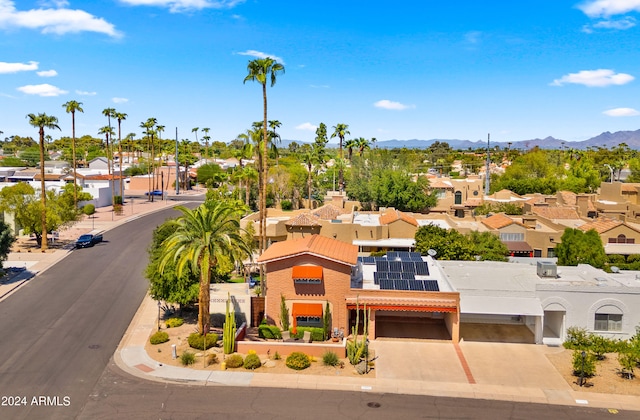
x,y
274,137
260,70
363,144
71,107
43,121
203,236
195,130
340,130
148,126
120,116
350,145
206,142
109,112
309,157
159,130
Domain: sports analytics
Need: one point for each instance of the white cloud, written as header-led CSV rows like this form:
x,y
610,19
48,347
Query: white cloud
x,y
307,127
85,93
621,24
473,37
16,67
47,73
621,112
594,78
42,90
57,21
259,54
177,6
605,8
119,100
387,104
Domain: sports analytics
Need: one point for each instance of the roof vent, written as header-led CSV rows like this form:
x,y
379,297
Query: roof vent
x,y
547,269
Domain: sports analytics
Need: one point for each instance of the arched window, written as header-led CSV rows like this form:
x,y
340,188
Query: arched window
x,y
458,197
622,239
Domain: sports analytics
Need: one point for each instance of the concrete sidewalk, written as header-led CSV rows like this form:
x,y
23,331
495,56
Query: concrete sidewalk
x,y
511,372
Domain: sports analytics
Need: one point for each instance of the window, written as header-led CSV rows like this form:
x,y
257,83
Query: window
x,y
551,252
608,322
512,237
308,321
458,197
307,281
621,239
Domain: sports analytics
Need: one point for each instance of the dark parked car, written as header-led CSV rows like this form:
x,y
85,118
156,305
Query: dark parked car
x,y
88,239
154,192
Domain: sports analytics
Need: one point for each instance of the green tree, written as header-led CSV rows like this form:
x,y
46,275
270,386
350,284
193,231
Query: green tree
x,y
7,239
261,70
578,247
168,285
449,244
340,130
43,121
120,116
320,142
202,237
71,107
211,175
488,247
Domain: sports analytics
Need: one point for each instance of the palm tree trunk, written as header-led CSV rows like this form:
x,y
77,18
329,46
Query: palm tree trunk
x,y
309,187
73,159
43,195
204,318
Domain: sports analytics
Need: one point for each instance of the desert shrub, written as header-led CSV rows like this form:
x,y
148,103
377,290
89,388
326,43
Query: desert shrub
x,y
589,363
197,341
353,351
187,358
159,337
252,361
212,359
174,322
633,258
298,361
286,205
89,209
276,356
600,345
234,361
269,331
329,358
317,334
577,339
616,259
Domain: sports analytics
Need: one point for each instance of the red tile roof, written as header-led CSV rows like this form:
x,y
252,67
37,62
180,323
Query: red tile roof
x,y
328,212
393,215
556,212
304,219
321,246
498,221
601,224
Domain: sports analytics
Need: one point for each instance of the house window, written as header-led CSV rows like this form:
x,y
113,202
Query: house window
x,y
551,252
441,194
307,274
621,239
512,237
458,197
608,322
308,321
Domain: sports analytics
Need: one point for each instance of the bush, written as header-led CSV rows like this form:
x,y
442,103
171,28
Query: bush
x,y
174,322
317,334
276,356
298,361
159,337
286,205
212,359
187,358
234,361
329,358
252,361
589,364
89,209
600,346
196,341
269,332
633,258
616,259
577,339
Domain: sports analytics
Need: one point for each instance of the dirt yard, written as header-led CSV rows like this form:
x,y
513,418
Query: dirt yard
x,y
607,379
178,336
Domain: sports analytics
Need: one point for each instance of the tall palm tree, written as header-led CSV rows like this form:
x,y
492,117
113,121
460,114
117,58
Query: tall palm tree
x,y
149,131
340,130
195,130
43,121
204,235
363,144
206,142
159,130
109,112
260,70
274,137
120,116
71,107
350,145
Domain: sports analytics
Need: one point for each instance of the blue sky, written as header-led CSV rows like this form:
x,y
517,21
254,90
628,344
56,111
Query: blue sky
x,y
391,70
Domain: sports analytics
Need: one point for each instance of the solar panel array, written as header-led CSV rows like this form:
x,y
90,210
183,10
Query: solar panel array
x,y
398,271
415,285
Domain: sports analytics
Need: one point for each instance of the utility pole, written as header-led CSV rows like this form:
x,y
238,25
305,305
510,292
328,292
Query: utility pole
x,y
487,174
177,166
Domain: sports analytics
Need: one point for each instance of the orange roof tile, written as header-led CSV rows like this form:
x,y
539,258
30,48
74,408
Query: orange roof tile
x,y
632,188
498,221
439,184
328,212
321,246
556,212
303,219
568,197
601,224
394,215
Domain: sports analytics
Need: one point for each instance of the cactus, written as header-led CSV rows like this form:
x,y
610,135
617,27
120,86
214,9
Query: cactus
x,y
357,348
229,334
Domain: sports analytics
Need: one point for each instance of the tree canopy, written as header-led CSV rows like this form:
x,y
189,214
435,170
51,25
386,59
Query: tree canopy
x,y
449,244
579,247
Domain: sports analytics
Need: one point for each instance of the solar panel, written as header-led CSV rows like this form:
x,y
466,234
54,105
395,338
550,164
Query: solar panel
x,y
407,276
394,275
415,256
416,285
392,255
382,266
431,285
401,284
395,266
408,267
386,284
404,256
422,268
367,260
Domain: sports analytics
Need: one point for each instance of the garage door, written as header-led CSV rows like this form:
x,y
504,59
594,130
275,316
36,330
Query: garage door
x,y
420,325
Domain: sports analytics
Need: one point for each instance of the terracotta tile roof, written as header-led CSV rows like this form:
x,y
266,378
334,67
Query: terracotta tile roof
x,y
601,224
394,215
328,212
498,221
48,177
556,212
321,246
632,188
536,200
439,184
399,302
517,246
303,219
568,197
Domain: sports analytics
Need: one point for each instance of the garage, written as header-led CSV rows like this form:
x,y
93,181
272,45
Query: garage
x,y
411,324
501,319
